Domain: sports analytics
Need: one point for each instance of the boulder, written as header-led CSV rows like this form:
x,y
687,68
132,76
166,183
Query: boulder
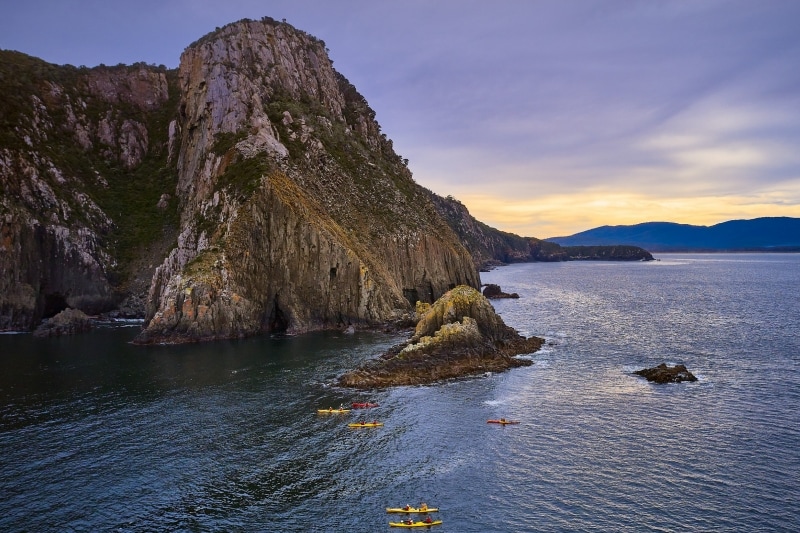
x,y
494,291
666,374
67,322
459,335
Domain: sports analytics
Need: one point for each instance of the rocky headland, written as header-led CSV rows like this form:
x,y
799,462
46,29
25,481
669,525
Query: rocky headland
x,y
248,191
459,335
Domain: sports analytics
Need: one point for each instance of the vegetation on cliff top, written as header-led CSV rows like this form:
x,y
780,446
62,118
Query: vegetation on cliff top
x,y
42,103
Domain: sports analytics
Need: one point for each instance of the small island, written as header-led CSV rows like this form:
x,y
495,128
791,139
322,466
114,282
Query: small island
x,y
666,374
458,335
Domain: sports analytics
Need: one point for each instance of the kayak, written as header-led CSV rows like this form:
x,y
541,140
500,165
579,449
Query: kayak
x,y
502,421
416,524
363,405
411,510
365,424
332,410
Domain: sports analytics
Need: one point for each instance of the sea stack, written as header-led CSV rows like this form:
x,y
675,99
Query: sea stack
x,y
459,335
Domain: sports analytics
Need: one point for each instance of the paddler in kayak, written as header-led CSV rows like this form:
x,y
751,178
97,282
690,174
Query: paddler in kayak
x,y
428,519
423,507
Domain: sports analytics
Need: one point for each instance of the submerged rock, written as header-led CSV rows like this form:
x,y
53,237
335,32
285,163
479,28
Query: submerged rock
x,y
459,335
665,374
67,322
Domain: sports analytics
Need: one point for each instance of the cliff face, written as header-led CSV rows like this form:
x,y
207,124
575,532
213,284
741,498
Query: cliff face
x,y
296,214
249,191
69,139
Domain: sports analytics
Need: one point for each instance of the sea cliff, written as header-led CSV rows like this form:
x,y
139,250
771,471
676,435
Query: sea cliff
x,y
249,191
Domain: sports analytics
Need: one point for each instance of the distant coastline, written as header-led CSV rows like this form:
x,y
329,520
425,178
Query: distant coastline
x,y
766,234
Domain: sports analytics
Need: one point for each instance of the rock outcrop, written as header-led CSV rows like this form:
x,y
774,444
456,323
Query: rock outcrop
x,y
459,335
666,374
493,291
67,322
296,213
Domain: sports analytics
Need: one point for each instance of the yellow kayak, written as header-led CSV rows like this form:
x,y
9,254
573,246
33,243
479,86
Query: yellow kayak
x,y
365,424
332,410
408,509
418,523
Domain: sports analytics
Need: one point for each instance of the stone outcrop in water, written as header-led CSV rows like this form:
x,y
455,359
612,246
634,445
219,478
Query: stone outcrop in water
x,y
459,335
666,374
67,322
493,291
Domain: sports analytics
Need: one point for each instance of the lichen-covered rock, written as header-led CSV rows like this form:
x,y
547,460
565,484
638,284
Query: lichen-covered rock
x,y
459,335
666,374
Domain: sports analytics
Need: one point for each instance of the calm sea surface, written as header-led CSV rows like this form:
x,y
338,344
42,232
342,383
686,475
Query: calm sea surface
x,y
99,435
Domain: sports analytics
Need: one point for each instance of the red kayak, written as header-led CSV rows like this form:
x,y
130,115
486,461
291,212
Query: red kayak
x,y
363,405
502,421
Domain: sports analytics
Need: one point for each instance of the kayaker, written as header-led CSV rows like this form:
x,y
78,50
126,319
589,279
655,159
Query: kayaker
x,y
423,507
407,507
428,519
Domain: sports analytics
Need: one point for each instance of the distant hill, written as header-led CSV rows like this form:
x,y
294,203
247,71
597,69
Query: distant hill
x,y
491,247
767,234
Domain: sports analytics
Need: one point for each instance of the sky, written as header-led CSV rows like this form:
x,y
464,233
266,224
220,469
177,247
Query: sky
x,y
544,117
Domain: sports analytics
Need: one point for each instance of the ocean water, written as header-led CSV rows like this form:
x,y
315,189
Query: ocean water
x,y
99,435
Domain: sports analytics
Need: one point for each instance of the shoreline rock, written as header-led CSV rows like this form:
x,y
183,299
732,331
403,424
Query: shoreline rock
x,y
493,291
458,335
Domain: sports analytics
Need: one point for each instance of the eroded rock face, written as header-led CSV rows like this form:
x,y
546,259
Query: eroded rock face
x,y
666,374
296,213
459,335
70,136
252,189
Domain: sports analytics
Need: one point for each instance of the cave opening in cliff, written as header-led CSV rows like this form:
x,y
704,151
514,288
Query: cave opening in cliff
x,y
278,321
54,303
411,295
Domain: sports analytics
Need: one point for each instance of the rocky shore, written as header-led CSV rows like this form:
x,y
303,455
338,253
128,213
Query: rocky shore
x,y
458,335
